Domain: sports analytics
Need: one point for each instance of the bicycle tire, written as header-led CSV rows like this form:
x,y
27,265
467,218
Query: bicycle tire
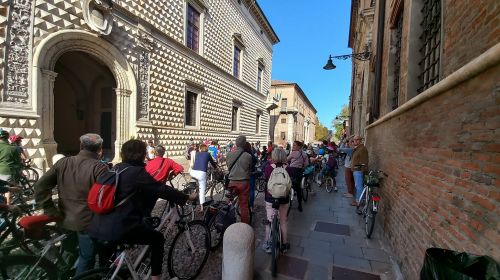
x,y
31,174
290,203
329,184
305,189
216,189
102,274
47,269
200,236
275,246
369,219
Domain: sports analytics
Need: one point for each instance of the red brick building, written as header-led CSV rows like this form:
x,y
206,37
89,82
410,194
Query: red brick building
x,y
432,121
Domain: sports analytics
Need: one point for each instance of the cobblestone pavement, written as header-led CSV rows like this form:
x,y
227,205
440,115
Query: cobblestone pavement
x,y
328,242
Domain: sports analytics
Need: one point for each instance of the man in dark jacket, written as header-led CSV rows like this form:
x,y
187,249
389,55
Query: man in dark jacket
x,y
73,177
239,175
125,224
10,161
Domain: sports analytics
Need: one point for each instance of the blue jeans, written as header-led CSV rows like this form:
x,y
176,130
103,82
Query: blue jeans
x,y
252,190
358,183
86,260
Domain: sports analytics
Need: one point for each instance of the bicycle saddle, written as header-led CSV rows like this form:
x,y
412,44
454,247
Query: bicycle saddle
x,y
35,222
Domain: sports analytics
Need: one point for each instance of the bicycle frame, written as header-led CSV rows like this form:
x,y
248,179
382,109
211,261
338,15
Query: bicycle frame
x,y
172,216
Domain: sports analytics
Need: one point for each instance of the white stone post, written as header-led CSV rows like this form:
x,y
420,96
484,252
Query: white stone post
x,y
238,252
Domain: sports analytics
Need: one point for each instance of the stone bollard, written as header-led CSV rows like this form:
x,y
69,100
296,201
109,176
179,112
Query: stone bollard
x,y
238,252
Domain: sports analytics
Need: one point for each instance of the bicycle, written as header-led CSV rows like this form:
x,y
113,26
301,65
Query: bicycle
x,y
192,240
275,237
42,265
306,182
215,181
369,200
215,216
326,180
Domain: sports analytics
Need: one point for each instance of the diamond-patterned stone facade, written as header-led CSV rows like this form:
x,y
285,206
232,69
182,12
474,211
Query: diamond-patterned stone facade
x,y
171,66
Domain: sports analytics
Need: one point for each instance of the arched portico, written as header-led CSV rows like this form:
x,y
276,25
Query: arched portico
x,y
47,54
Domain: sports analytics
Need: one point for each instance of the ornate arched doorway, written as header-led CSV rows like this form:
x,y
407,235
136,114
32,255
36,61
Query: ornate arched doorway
x,y
84,101
54,54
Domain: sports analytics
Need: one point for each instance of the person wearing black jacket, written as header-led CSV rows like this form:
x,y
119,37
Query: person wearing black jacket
x,y
125,224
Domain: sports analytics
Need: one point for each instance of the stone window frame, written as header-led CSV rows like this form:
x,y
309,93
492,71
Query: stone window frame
x,y
397,21
239,44
201,7
414,45
258,122
260,74
283,120
199,91
235,120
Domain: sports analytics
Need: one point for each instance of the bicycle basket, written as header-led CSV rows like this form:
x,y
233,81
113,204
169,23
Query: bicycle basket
x,y
372,180
309,170
225,218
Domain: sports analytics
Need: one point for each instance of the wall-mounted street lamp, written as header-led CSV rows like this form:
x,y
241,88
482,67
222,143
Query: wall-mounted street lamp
x,y
359,56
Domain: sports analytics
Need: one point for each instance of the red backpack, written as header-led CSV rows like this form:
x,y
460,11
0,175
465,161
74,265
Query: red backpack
x,y
101,198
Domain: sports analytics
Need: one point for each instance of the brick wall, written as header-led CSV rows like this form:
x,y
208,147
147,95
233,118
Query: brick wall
x,y
443,161
470,28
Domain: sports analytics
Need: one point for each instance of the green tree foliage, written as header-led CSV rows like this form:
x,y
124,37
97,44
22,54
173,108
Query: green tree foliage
x,y
321,132
338,123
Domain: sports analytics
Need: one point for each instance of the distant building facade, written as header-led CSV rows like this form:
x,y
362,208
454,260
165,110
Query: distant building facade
x,y
169,71
428,105
295,118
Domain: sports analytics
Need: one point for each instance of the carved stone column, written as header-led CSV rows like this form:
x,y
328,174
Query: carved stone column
x,y
146,45
47,119
18,51
122,119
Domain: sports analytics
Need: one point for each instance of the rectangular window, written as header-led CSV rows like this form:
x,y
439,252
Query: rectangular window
x,y
236,62
234,119
398,34
259,79
283,103
257,124
190,109
431,44
193,28
283,135
283,120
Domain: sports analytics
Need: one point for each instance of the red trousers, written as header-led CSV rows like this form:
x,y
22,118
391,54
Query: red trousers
x,y
349,180
241,189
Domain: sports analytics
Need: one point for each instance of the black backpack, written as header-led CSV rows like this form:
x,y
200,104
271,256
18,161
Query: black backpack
x,y
225,217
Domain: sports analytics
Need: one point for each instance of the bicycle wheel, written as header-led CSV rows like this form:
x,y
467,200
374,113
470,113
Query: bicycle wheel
x,y
304,188
275,246
369,219
102,274
329,184
31,174
27,267
183,262
216,189
317,179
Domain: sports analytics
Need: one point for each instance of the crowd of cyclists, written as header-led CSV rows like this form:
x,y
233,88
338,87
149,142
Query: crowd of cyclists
x,y
144,171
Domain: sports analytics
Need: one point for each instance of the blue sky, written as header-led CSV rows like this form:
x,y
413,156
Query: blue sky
x,y
309,31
